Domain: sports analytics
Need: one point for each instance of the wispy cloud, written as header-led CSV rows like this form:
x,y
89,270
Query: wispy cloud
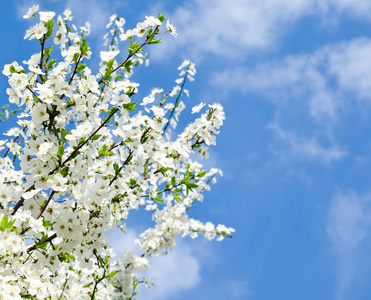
x,y
297,79
350,64
305,148
221,27
239,289
349,224
314,92
232,29
349,219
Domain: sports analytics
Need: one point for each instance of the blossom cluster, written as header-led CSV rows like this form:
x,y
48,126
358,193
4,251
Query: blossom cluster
x,y
81,158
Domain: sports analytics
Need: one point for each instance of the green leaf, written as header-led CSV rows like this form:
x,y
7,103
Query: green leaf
x,y
112,110
163,170
60,151
153,41
42,243
146,170
132,181
178,198
116,167
47,223
28,296
158,199
64,172
95,137
65,257
144,139
112,274
12,69
130,106
82,140
75,154
64,133
103,150
134,47
81,67
201,174
48,50
49,25
107,75
161,17
127,66
76,57
110,63
51,64
4,222
190,186
187,171
84,46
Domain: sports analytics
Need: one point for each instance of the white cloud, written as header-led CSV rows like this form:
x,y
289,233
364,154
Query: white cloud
x,y
306,148
239,289
324,78
121,241
313,93
349,220
354,8
350,63
232,29
178,270
348,225
227,27
297,78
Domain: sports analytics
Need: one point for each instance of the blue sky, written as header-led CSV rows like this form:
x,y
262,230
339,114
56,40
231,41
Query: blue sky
x,y
294,78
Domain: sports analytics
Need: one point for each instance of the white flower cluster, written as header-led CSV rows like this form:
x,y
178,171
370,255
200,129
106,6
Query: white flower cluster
x,y
81,159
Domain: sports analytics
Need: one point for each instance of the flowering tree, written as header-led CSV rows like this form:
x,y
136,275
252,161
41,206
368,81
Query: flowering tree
x,y
82,157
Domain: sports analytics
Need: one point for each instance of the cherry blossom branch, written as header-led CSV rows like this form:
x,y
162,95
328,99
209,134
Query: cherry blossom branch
x,y
131,54
176,100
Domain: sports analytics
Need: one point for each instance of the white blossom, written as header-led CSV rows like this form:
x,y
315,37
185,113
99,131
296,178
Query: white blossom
x,y
83,155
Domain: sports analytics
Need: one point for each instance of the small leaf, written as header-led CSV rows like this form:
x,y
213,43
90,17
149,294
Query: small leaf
x,y
178,198
60,151
116,168
81,67
112,274
146,169
95,137
130,106
127,66
64,172
202,173
158,199
49,25
51,64
163,170
161,17
103,150
28,296
154,42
